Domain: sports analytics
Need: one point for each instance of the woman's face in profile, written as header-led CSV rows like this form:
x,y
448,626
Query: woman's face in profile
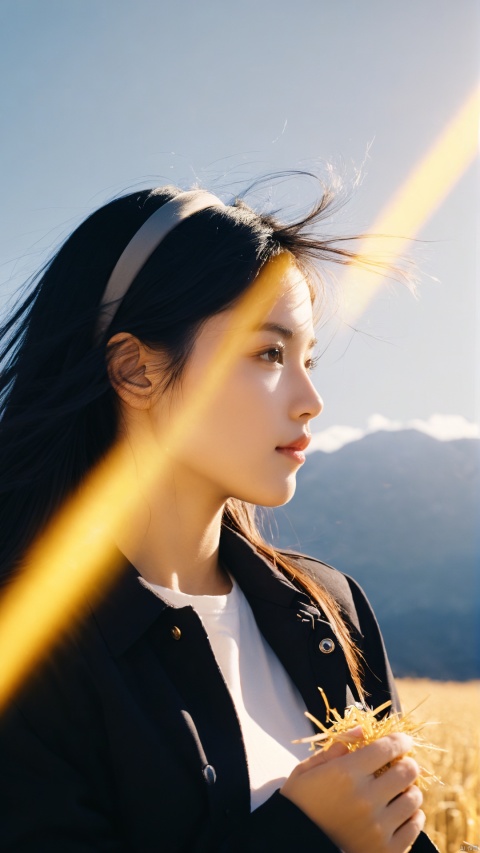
x,y
265,403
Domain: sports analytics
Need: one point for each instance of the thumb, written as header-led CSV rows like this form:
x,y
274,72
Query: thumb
x,y
352,735
336,750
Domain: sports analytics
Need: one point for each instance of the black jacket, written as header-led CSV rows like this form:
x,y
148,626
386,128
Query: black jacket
x,y
126,739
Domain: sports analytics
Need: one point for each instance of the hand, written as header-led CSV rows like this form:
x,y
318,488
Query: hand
x,y
361,813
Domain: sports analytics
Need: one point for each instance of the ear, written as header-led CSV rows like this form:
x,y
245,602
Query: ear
x,y
129,369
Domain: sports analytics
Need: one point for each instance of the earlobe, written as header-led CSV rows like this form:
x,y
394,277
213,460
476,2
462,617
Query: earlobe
x,y
127,365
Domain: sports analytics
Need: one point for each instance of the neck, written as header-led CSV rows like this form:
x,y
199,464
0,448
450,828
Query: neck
x,y
174,535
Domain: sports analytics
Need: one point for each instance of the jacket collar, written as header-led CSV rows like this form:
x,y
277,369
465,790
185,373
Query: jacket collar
x,y
129,609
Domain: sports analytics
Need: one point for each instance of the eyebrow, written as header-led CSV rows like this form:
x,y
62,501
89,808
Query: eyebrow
x,y
288,334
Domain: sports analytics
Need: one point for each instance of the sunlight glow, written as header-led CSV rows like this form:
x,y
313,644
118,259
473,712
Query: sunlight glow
x,y
72,562
414,203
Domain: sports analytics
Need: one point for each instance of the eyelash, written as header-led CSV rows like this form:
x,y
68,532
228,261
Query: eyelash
x,y
280,350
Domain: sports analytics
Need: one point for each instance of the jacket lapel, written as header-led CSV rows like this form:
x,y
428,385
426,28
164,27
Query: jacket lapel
x,y
293,627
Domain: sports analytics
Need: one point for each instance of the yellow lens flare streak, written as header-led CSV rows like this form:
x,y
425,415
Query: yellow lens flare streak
x,y
72,562
414,203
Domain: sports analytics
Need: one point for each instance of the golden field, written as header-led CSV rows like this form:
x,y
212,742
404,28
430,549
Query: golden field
x,y
453,808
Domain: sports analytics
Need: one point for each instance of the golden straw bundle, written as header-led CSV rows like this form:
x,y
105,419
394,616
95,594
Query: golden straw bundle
x,y
372,729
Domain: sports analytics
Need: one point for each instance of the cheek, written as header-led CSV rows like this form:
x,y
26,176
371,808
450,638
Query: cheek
x,y
250,409
236,423
233,444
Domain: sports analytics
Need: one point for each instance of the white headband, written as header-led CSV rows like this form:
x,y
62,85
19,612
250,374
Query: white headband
x,y
143,243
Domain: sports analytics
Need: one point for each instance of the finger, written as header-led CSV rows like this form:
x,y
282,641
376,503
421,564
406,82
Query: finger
x,y
351,735
397,778
335,751
403,807
379,753
407,834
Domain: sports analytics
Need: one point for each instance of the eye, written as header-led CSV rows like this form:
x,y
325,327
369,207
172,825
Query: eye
x,y
274,355
311,363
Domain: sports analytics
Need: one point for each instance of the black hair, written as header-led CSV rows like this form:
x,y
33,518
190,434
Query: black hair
x,y
58,409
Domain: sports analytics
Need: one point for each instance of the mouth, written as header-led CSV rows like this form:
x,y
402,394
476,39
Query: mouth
x,y
295,449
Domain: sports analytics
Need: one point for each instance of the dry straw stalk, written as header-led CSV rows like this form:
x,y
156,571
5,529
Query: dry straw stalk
x,y
372,729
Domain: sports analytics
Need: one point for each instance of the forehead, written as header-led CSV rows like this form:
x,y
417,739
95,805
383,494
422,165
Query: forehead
x,y
282,298
293,307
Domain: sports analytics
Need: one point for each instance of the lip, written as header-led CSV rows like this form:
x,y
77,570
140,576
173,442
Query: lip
x,y
300,443
296,448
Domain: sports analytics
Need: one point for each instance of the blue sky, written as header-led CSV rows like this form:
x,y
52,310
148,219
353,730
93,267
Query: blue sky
x,y
99,96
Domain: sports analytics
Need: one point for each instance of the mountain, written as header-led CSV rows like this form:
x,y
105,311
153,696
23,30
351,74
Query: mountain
x,y
399,511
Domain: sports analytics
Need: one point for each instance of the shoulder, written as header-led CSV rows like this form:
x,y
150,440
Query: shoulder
x,y
364,629
378,679
345,590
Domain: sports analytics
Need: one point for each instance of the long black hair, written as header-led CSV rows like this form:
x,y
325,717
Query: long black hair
x,y
58,408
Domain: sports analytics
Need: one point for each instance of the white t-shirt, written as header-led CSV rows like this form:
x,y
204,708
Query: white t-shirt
x,y
268,705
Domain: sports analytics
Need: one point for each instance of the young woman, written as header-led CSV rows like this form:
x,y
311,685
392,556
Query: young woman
x,y
182,329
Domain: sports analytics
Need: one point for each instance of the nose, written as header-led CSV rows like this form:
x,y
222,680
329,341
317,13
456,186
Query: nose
x,y
309,402
319,405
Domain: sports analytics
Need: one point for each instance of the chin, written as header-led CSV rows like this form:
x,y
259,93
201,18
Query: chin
x,y
278,497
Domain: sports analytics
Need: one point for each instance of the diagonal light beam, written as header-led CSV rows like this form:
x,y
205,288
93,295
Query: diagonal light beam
x,y
414,203
72,561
